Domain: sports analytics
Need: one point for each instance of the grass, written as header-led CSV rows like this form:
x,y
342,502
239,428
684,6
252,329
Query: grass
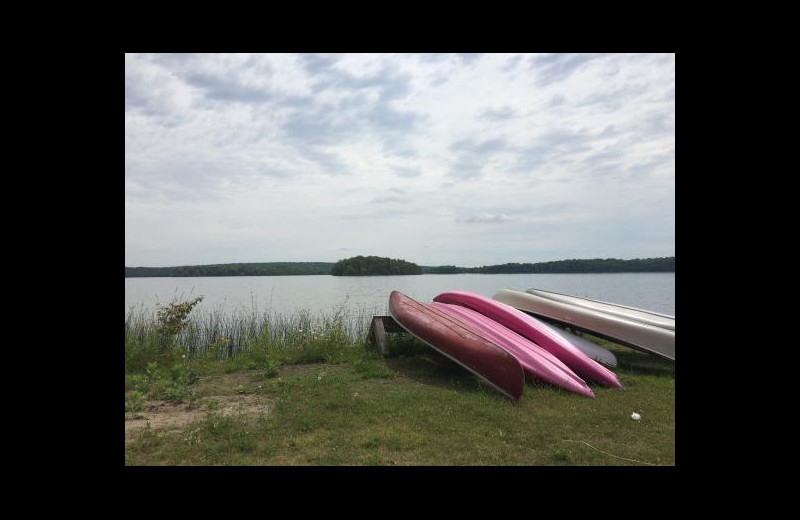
x,y
332,401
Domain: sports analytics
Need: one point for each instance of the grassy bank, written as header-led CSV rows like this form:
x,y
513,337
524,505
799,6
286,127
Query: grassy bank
x,y
303,390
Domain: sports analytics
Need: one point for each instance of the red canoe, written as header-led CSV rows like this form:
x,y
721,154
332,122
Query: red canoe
x,y
459,342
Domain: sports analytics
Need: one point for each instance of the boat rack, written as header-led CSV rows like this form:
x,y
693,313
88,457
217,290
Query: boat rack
x,y
380,326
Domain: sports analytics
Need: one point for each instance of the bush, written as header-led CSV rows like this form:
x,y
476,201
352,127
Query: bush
x,y
174,318
147,341
133,401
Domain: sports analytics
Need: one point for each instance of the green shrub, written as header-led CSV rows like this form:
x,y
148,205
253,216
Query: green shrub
x,y
147,339
134,401
174,316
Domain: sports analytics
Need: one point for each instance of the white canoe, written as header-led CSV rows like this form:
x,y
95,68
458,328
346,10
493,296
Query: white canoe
x,y
631,330
631,313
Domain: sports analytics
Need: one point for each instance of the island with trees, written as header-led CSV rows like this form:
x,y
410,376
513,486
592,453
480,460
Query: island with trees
x,y
373,265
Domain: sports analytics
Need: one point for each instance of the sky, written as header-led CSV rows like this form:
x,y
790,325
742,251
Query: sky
x,y
436,159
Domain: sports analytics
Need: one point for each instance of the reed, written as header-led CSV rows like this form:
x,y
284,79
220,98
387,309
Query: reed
x,y
260,335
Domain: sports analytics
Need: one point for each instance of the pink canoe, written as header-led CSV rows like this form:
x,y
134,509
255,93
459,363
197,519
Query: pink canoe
x,y
536,362
534,330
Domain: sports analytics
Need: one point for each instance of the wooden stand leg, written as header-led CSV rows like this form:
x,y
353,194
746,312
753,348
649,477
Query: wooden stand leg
x,y
380,337
378,329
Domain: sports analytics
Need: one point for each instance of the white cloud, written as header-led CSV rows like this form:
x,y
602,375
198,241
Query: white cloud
x,y
488,158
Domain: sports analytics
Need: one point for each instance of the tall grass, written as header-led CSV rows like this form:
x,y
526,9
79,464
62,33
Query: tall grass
x,y
216,334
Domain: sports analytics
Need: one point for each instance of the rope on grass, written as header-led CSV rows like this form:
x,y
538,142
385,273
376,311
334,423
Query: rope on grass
x,y
609,454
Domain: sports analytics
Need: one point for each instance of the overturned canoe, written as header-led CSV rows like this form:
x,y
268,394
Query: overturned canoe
x,y
591,349
638,330
459,342
537,363
536,331
657,319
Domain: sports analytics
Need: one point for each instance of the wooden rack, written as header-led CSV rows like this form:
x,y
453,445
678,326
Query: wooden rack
x,y
380,326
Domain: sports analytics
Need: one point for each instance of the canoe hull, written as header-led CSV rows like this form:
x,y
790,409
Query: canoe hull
x,y
593,350
537,363
459,342
641,336
657,319
536,331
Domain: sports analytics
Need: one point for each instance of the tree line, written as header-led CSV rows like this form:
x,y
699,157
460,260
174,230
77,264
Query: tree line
x,y
248,269
374,265
595,265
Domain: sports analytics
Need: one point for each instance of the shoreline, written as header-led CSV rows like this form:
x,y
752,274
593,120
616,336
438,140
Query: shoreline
x,y
314,398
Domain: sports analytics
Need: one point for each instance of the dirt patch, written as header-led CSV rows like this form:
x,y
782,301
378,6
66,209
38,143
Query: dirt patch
x,y
225,384
224,394
306,367
162,415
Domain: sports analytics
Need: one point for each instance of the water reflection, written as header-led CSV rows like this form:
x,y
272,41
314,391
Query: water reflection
x,y
370,294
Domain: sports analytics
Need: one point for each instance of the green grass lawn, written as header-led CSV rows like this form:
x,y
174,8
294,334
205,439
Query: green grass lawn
x,y
413,408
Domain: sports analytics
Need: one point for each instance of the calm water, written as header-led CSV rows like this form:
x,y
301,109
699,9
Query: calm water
x,y
370,294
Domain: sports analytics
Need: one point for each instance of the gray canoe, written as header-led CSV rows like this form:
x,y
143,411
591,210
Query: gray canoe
x,y
643,330
623,311
590,348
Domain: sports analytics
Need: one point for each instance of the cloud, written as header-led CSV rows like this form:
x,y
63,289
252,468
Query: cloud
x,y
529,159
199,178
469,58
487,218
556,146
318,63
511,64
652,165
407,172
613,99
328,162
472,155
471,146
462,58
554,68
320,125
389,199
497,114
357,105
227,88
154,91
383,117
280,157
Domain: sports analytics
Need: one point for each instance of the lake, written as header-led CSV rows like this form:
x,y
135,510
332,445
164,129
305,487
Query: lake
x,y
366,295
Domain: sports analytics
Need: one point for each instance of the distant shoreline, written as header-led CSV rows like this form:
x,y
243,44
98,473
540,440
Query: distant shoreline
x,y
573,266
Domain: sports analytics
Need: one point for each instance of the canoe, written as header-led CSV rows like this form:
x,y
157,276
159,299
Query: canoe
x,y
591,349
657,319
459,342
628,331
537,363
536,331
